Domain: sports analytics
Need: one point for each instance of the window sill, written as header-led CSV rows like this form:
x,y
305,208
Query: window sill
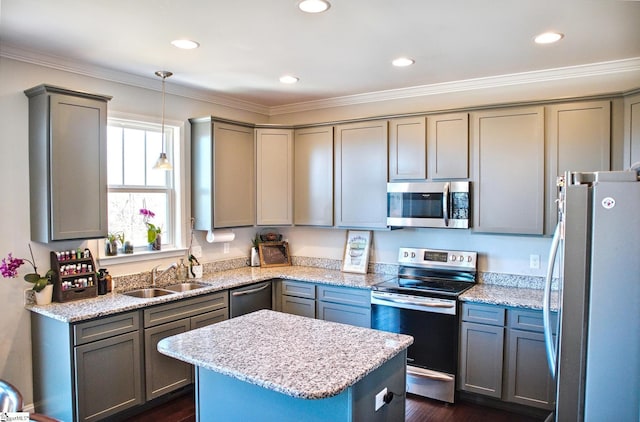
x,y
142,255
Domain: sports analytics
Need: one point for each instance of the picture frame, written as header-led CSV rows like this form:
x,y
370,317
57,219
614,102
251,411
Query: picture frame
x,y
356,251
274,254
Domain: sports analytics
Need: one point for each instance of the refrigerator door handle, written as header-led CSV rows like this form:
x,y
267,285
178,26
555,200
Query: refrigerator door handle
x,y
546,303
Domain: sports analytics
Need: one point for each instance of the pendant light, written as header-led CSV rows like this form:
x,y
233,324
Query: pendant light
x,y
163,163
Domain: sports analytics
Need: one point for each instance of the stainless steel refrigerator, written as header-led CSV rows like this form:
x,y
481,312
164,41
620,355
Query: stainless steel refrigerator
x,y
595,357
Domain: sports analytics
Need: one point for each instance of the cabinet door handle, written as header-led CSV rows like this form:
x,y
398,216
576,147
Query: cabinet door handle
x,y
251,291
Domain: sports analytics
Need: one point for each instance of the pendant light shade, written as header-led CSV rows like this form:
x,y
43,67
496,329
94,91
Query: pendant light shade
x,y
163,163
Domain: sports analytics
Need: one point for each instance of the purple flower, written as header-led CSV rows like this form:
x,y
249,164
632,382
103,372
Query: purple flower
x,y
147,213
10,265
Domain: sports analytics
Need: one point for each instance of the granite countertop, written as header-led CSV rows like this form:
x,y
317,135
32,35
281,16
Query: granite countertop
x,y
112,303
508,296
297,356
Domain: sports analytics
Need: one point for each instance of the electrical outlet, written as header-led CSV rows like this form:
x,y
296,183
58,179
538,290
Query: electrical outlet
x,y
380,398
534,261
196,251
225,247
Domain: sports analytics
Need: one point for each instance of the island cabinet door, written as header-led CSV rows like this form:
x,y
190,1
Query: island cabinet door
x,y
164,374
108,376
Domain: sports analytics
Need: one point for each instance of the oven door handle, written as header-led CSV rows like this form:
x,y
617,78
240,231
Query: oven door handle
x,y
421,372
411,302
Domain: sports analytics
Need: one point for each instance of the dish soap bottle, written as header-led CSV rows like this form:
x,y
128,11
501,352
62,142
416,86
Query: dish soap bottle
x,y
181,271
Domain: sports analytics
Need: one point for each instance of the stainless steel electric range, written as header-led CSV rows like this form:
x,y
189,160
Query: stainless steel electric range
x,y
423,302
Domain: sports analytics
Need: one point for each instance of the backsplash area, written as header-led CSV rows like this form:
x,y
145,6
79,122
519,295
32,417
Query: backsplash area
x,y
140,280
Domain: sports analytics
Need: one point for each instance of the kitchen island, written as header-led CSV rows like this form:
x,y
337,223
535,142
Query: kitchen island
x,y
272,366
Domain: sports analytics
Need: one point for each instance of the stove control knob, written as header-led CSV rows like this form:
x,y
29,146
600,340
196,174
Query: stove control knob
x,y
461,258
413,254
453,258
469,259
405,254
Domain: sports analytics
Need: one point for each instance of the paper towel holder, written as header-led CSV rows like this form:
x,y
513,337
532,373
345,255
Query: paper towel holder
x,y
220,236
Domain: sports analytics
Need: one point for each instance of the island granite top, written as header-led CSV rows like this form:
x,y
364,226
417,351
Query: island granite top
x,y
297,356
112,303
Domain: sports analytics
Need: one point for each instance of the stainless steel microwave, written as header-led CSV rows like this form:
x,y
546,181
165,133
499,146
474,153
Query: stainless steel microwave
x,y
429,204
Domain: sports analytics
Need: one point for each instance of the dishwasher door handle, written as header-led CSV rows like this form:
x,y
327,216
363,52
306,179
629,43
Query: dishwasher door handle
x,y
250,291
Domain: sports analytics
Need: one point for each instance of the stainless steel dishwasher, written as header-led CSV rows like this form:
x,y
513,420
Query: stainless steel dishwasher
x,y
246,299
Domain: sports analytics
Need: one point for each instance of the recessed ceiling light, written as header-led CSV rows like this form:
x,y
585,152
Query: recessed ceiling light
x,y
314,6
548,37
403,62
185,44
288,79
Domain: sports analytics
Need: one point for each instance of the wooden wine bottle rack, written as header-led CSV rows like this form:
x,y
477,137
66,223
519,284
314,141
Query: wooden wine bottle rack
x,y
61,294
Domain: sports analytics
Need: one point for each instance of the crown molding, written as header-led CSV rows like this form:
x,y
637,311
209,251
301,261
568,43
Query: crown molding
x,y
523,78
81,68
539,76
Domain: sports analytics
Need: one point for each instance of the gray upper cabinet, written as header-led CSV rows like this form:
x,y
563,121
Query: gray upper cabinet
x,y
67,164
274,177
433,147
578,139
508,161
448,146
313,176
407,149
361,174
222,174
632,130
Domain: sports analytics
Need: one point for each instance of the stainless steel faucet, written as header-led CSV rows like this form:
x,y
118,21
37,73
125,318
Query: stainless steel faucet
x,y
155,276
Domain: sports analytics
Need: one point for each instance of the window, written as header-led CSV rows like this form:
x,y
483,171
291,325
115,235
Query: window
x,y
132,150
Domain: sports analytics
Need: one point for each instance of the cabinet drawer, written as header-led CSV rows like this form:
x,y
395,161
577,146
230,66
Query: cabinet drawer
x,y
299,306
184,308
483,314
348,296
209,318
102,328
529,320
344,314
299,289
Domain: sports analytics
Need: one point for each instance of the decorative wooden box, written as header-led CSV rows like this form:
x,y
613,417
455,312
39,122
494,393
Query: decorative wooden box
x,y
74,278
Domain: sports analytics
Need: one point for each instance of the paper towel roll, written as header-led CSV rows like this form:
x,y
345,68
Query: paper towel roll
x,y
220,236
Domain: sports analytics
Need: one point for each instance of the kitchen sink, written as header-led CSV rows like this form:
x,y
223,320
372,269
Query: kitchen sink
x,y
149,293
185,287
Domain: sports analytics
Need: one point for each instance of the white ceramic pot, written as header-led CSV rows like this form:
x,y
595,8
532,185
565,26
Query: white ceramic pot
x,y
43,297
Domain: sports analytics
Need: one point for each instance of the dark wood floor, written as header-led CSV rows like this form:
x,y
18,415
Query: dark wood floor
x,y
418,409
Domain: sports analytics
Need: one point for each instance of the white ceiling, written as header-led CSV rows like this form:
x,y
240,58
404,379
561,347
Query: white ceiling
x,y
246,45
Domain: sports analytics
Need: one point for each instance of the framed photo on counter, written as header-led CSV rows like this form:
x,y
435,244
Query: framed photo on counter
x,y
356,251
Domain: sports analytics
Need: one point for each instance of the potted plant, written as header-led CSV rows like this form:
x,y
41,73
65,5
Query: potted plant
x,y
42,285
111,244
153,231
195,269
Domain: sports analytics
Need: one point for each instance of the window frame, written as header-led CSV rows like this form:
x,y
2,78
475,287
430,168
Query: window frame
x,y
177,198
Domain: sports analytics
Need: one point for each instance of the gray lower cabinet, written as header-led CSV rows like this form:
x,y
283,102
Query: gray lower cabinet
x,y
330,303
502,355
89,370
164,374
298,298
344,304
